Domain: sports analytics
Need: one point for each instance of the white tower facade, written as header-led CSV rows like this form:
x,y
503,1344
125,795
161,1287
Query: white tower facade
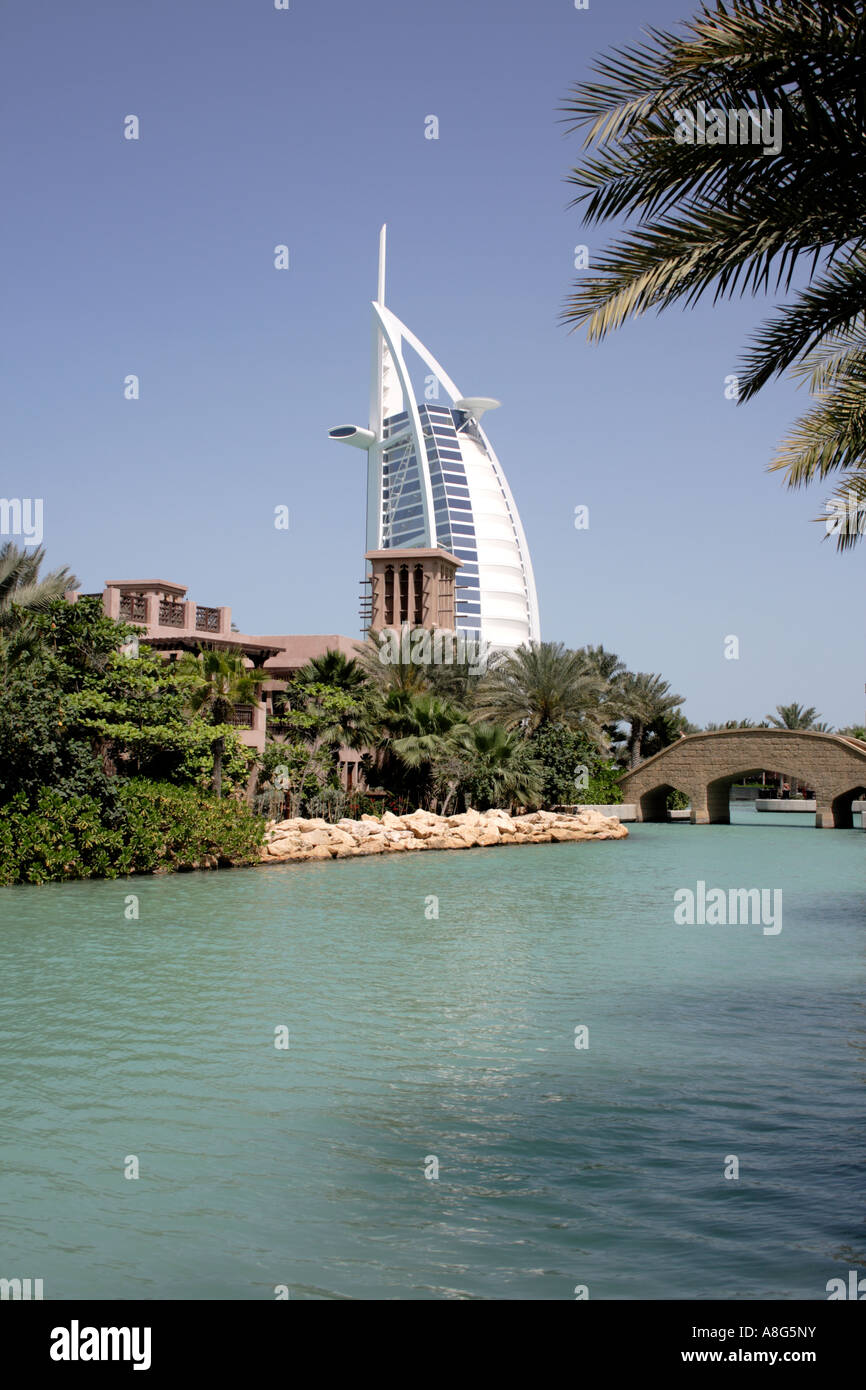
x,y
434,481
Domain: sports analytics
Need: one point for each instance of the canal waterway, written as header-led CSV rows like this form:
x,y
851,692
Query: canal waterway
x,y
432,1004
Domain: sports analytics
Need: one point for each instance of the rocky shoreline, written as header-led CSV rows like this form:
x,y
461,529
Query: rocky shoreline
x,y
298,840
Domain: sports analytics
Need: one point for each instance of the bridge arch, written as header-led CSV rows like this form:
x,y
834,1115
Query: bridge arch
x,y
705,765
654,802
841,807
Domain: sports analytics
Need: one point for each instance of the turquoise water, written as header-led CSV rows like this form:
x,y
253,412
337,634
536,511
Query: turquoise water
x,y
452,1038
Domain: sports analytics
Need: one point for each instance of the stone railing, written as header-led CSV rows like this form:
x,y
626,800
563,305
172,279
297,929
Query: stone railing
x,y
207,619
170,614
133,608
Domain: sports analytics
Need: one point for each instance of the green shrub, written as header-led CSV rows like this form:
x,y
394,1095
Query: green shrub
x,y
603,788
158,826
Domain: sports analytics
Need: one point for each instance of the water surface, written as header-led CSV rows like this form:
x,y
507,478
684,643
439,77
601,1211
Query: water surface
x,y
414,1037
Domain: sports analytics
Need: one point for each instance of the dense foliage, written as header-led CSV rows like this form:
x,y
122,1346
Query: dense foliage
x,y
573,770
114,760
540,726
152,827
86,728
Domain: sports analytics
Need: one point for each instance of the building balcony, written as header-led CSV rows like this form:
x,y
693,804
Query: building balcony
x,y
251,722
171,614
163,610
241,717
207,619
133,608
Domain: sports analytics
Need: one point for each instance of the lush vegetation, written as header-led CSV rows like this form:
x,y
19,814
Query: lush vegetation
x,y
114,760
542,726
105,763
151,827
713,217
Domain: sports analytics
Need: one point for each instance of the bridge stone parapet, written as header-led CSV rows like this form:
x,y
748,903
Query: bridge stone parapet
x,y
704,766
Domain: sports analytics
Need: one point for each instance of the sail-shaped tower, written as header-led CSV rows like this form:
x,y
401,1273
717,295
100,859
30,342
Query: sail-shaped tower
x,y
436,492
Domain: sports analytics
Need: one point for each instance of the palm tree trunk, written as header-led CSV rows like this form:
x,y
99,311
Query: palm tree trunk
x,y
449,798
635,743
218,747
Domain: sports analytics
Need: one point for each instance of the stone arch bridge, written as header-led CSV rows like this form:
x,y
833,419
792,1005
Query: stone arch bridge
x,y
704,766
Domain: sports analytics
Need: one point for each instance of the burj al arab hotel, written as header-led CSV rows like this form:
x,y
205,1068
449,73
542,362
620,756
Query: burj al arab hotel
x,y
445,545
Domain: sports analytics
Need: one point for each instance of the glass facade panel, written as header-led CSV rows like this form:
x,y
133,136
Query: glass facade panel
x,y
402,503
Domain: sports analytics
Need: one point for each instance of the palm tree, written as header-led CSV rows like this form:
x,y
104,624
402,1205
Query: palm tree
x,y
795,716
500,772
831,437
21,588
348,723
457,681
728,218
409,676
542,683
610,671
426,724
332,668
607,664
220,683
645,701
415,731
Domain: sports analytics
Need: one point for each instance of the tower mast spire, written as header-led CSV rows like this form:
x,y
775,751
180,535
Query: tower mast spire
x,y
382,241
377,383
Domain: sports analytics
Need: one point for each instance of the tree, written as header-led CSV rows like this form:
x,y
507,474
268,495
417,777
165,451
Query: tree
x,y
796,716
568,759
717,214
831,437
320,720
416,735
610,671
298,769
22,591
40,744
401,674
645,701
333,668
78,716
455,680
542,683
342,722
426,722
500,770
607,665
220,682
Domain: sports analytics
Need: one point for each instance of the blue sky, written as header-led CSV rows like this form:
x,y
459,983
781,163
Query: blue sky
x,y
306,127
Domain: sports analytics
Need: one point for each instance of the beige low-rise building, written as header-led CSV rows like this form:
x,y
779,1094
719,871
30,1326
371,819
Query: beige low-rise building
x,y
172,624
